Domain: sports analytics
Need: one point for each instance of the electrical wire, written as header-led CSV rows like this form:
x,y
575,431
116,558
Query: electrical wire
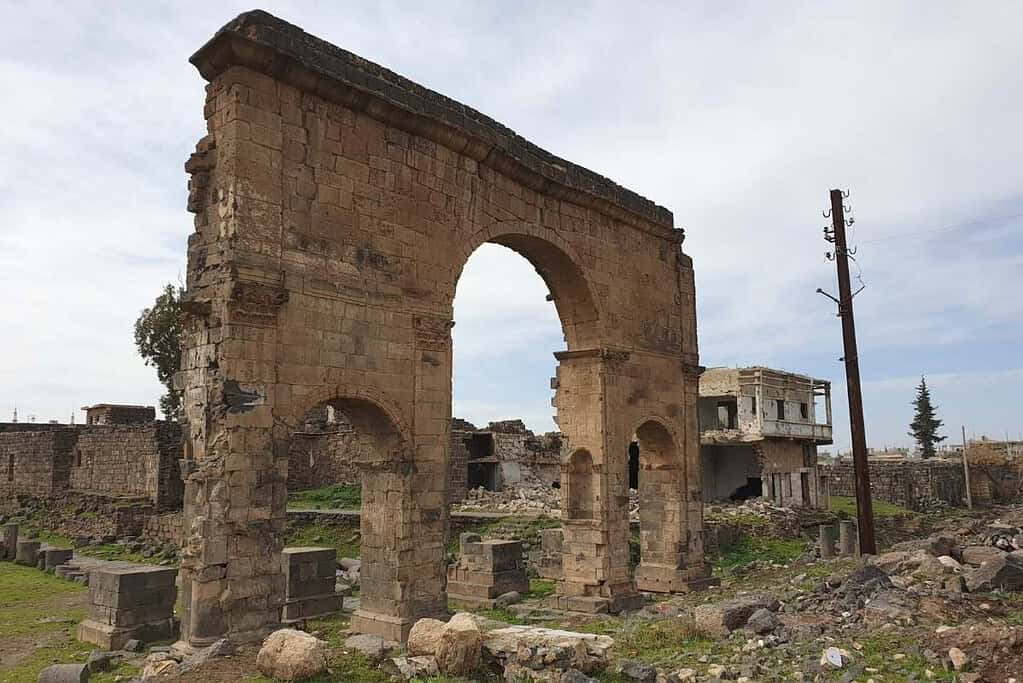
x,y
945,228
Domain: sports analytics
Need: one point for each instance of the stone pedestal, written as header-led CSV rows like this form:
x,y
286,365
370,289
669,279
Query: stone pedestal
x,y
551,542
126,604
826,534
27,553
667,579
846,538
310,575
54,557
10,542
486,569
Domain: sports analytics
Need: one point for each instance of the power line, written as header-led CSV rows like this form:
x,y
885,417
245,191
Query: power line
x,y
946,228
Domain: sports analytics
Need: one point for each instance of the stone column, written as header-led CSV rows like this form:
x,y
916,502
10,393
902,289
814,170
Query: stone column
x,y
826,541
10,541
846,538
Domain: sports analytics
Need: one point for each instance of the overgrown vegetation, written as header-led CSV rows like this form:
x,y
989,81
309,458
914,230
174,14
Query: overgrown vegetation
x,y
747,550
347,542
844,506
336,497
158,339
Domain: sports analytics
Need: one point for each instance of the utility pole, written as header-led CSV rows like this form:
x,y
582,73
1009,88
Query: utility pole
x,y
966,473
864,507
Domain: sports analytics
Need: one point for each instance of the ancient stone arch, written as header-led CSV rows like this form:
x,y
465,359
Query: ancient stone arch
x,y
336,203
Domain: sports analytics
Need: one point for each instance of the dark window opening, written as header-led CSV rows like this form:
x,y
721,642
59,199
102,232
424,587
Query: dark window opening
x,y
728,414
555,484
804,482
482,474
10,468
753,405
781,408
753,488
78,458
480,445
804,411
634,465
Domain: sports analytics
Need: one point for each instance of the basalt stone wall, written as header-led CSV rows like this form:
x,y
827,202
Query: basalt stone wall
x,y
912,485
130,460
316,460
35,462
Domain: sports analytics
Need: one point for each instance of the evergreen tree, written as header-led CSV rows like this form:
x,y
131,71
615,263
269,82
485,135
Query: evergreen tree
x,y
158,339
924,427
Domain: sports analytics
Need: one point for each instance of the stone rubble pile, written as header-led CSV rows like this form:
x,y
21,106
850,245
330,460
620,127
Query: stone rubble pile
x,y
529,496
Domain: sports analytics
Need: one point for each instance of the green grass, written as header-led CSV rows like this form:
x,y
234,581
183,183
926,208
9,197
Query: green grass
x,y
115,551
844,506
28,596
347,542
337,497
659,642
747,550
878,651
540,588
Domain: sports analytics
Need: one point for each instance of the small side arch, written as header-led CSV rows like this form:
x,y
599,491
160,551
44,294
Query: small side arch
x,y
579,487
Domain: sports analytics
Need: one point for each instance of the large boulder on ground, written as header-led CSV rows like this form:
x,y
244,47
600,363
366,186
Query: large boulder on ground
x,y
64,673
635,670
424,638
291,655
976,555
762,622
461,644
721,618
889,562
937,545
529,649
1004,572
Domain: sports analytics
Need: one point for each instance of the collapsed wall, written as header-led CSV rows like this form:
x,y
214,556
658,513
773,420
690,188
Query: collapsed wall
x,y
915,485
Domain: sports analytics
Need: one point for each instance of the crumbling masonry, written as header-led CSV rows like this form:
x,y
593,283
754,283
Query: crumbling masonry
x,y
336,204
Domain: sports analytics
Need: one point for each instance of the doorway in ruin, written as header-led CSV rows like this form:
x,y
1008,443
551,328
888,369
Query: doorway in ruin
x,y
731,473
322,471
656,460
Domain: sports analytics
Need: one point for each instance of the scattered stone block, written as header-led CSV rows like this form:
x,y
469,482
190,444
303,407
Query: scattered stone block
x,y
10,542
310,584
135,603
635,670
976,555
27,553
461,644
486,570
721,618
54,557
291,655
534,649
1004,572
762,621
64,673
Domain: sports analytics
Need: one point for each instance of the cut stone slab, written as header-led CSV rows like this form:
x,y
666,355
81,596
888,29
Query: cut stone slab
x,y
721,618
291,655
27,553
531,646
976,555
64,673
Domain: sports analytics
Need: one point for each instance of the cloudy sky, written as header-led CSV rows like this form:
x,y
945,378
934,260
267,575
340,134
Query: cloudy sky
x,y
739,117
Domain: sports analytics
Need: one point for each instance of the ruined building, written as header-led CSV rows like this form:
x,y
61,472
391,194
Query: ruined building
x,y
336,203
759,432
122,452
501,455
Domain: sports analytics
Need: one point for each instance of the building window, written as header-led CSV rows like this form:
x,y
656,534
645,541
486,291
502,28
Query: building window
x,y
10,467
804,411
780,406
753,405
727,414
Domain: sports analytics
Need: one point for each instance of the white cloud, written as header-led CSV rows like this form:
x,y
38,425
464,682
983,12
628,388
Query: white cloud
x,y
738,117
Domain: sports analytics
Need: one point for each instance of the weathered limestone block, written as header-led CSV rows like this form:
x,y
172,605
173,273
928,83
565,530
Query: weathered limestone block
x,y
722,618
976,555
126,604
309,583
27,553
460,647
64,673
533,648
1005,572
485,570
10,542
54,557
291,655
549,565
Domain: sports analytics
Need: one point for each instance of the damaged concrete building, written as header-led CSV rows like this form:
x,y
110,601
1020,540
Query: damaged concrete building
x,y
759,432
500,455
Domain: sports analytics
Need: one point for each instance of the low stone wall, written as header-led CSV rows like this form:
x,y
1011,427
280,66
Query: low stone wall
x,y
164,527
915,485
76,515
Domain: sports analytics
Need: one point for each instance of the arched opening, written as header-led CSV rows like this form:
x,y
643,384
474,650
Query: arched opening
x,y
579,501
656,478
343,455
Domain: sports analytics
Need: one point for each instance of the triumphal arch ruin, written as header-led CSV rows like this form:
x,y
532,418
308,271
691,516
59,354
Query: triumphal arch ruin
x,y
336,203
